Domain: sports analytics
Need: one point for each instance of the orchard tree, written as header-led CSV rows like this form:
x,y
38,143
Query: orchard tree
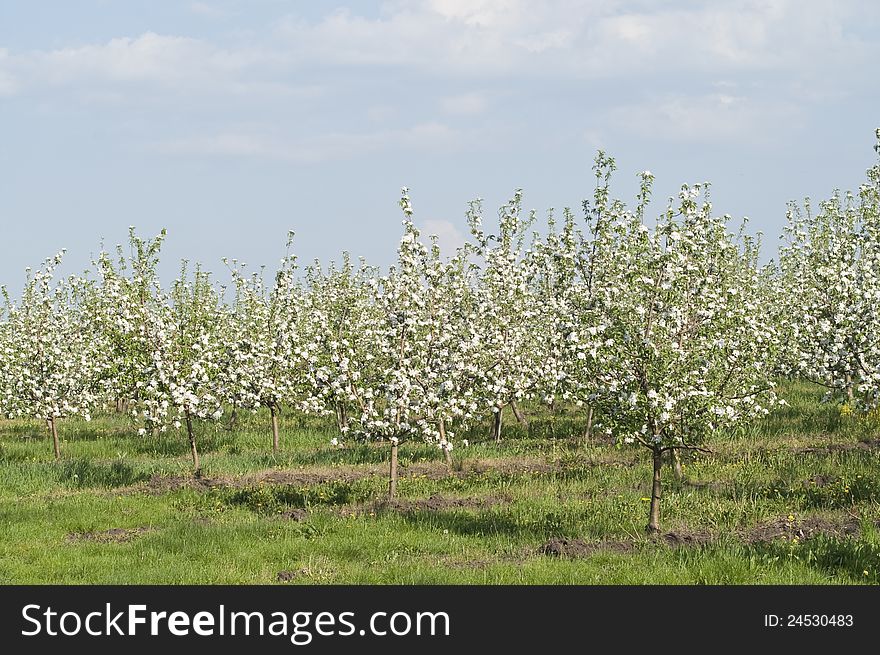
x,y
121,308
341,326
50,361
263,365
830,284
183,377
426,377
689,347
587,295
507,310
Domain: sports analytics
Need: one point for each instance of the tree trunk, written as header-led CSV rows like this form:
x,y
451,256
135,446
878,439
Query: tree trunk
x,y
496,425
197,465
392,477
653,526
274,412
233,418
445,444
588,435
520,417
676,464
849,389
53,432
341,418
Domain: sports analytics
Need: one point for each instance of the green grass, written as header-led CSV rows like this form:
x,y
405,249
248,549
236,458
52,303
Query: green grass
x,y
324,521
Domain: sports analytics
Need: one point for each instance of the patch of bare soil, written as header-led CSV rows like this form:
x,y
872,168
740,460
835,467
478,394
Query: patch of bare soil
x,y
711,486
869,444
686,538
509,466
302,478
485,562
295,514
575,548
287,576
780,528
434,503
159,484
812,526
111,536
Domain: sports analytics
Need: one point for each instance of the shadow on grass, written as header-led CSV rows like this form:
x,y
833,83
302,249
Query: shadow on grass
x,y
81,473
821,492
14,455
275,499
851,558
500,522
175,443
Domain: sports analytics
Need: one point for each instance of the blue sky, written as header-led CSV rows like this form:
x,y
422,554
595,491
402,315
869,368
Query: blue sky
x,y
230,122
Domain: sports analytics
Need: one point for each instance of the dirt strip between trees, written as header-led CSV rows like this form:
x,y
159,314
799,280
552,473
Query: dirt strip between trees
x,y
765,532
159,484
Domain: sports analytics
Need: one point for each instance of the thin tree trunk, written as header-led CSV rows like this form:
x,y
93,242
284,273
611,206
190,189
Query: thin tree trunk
x,y
520,417
849,389
496,425
197,465
445,445
653,526
392,477
53,432
341,418
233,418
588,435
274,412
676,464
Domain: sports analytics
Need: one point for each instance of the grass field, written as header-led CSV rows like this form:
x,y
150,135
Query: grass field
x,y
794,499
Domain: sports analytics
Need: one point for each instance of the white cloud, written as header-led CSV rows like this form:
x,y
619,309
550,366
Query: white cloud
x,y
480,13
209,10
149,57
465,104
594,139
8,84
149,61
505,44
565,38
424,137
449,237
157,69
380,113
562,39
716,117
469,38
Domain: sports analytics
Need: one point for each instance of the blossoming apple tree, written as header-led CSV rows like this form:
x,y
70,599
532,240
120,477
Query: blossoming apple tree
x,y
830,279
262,362
50,361
690,347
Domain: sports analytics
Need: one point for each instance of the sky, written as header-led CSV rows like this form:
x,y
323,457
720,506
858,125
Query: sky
x,y
230,122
